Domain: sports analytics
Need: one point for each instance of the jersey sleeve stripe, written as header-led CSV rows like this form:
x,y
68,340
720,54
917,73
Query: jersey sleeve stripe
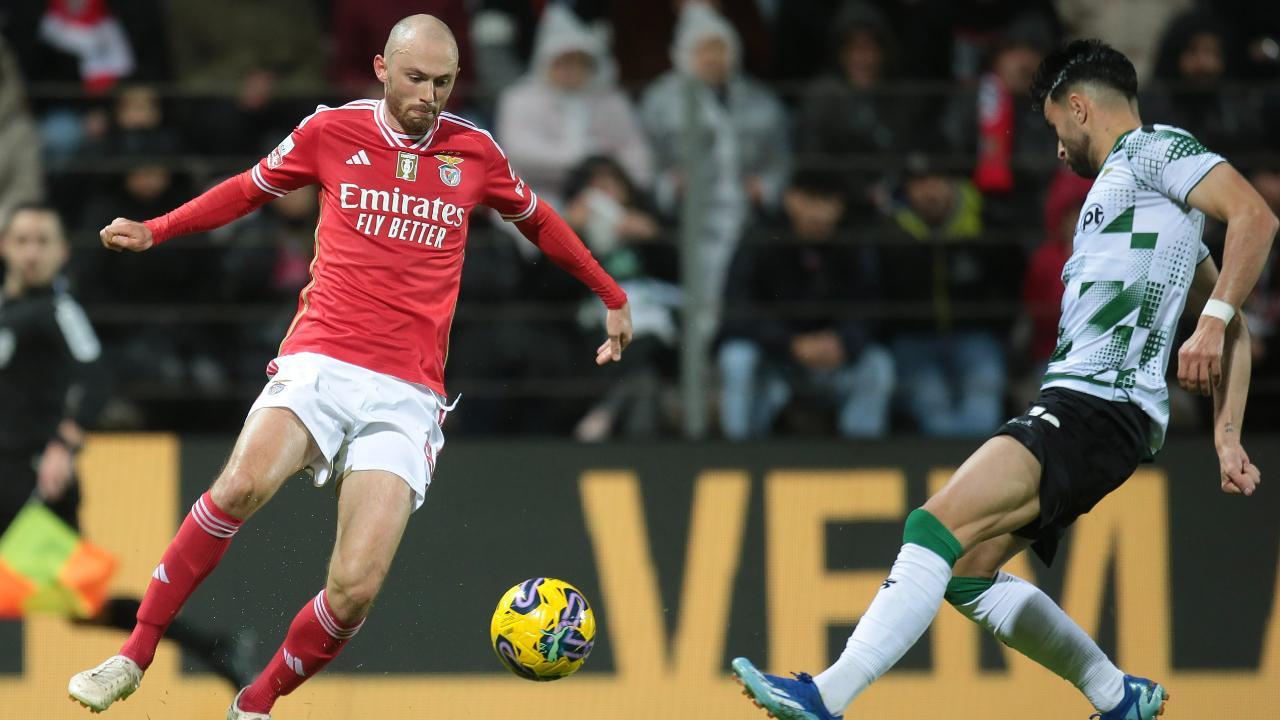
x,y
459,120
262,183
319,109
472,126
1198,176
76,330
528,212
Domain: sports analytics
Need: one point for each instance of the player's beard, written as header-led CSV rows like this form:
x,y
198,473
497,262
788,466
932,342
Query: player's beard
x,y
1078,152
412,123
416,123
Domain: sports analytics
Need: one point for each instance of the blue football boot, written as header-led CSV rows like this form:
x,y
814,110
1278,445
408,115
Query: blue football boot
x,y
779,697
1143,700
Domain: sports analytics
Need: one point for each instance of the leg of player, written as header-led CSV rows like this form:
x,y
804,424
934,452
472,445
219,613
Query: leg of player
x,y
373,510
273,445
993,493
1027,620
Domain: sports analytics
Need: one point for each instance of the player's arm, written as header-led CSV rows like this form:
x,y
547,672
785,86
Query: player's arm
x,y
228,200
543,226
552,235
86,395
1237,474
1251,227
291,165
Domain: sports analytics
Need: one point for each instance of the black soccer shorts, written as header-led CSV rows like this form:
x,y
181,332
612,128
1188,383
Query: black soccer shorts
x,y
1087,447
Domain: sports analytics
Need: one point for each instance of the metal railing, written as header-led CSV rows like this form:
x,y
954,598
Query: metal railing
x,y
214,319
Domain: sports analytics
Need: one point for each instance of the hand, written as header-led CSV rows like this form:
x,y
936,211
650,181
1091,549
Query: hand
x,y
618,324
1238,475
1200,357
54,473
123,234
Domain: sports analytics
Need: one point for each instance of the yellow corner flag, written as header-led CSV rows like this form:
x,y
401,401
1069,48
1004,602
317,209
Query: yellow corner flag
x,y
45,566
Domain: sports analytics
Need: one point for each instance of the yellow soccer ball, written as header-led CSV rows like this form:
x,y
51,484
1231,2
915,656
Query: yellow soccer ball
x,y
543,629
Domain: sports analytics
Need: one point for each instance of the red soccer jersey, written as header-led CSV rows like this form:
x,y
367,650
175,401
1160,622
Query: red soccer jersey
x,y
391,234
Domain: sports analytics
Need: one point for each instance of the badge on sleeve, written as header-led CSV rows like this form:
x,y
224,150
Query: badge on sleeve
x,y
276,158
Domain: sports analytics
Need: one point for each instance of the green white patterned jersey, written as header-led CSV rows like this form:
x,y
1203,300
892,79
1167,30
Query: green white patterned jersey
x,y
1136,248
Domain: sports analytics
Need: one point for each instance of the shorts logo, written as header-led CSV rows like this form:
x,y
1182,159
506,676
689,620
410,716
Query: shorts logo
x,y
407,166
1091,218
276,388
1039,411
450,173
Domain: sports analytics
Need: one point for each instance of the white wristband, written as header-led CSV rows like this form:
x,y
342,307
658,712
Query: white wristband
x,y
1219,309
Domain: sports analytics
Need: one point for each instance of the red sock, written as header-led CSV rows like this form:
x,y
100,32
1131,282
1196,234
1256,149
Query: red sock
x,y
314,638
194,552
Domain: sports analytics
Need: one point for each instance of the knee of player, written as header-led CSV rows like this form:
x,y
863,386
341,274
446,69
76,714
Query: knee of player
x,y
924,529
351,595
963,591
238,492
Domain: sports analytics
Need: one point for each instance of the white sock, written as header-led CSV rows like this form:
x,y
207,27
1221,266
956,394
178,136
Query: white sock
x,y
897,617
1027,620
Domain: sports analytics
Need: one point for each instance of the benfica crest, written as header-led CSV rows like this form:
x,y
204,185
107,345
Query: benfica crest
x,y
450,173
407,167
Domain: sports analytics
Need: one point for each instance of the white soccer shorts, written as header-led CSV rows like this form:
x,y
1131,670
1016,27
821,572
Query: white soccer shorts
x,y
360,419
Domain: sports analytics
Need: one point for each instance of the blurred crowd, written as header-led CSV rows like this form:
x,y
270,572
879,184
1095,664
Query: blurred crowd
x,y
880,219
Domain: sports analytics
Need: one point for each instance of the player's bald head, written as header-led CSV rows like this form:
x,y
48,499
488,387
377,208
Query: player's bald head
x,y
420,31
418,69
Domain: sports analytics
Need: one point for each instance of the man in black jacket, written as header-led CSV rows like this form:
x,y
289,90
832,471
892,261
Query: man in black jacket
x,y
798,309
49,368
52,386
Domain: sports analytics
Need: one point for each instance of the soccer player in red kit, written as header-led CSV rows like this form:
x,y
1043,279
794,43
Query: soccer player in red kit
x,y
357,392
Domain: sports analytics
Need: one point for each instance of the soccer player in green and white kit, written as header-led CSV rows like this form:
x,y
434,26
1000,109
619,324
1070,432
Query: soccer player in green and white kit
x,y
1137,262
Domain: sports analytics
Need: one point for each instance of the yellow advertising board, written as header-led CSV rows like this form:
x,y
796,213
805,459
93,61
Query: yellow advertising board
x,y
672,665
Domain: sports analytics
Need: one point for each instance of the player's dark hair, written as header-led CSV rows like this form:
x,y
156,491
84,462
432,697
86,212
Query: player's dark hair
x,y
26,206
1083,61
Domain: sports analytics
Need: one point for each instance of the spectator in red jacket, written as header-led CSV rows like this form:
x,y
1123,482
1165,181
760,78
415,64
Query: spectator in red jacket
x,y
1042,285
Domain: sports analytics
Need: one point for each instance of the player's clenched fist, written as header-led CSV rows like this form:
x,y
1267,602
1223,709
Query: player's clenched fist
x,y
124,234
1238,475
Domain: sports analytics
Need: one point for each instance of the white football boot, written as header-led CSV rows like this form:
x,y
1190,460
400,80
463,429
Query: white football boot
x,y
115,679
235,713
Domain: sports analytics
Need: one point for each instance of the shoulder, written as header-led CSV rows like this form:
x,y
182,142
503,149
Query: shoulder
x,y
827,88
457,128
1161,144
614,99
755,87
754,104
324,115
660,89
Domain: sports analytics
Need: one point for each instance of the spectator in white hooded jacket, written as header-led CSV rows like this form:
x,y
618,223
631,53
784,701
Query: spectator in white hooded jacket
x,y
741,134
568,108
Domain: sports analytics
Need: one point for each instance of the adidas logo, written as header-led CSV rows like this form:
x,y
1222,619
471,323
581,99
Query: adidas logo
x,y
294,662
159,574
359,159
